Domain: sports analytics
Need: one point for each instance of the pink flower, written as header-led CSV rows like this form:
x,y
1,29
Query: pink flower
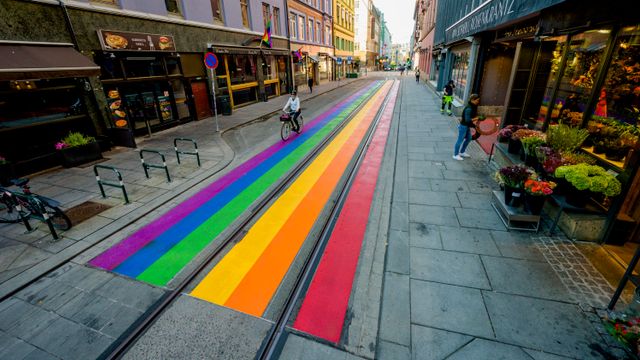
x,y
61,145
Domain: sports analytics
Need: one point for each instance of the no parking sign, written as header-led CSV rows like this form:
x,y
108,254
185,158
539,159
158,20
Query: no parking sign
x,y
211,60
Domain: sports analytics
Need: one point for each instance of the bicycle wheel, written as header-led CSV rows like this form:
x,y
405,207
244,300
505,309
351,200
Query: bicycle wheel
x,y
59,219
285,130
8,212
300,123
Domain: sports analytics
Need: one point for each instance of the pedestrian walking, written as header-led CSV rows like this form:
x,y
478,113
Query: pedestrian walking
x,y
468,121
401,70
447,97
310,83
417,75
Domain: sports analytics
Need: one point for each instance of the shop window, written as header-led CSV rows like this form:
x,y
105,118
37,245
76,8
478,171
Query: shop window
x,y
173,7
216,8
270,68
242,69
576,83
244,9
110,66
142,66
459,73
34,102
276,21
555,62
173,66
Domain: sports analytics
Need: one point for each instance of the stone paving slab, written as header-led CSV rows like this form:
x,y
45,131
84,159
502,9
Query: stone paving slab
x,y
479,219
433,215
435,344
480,349
474,241
516,245
551,326
433,198
449,307
448,268
425,236
298,347
391,351
395,318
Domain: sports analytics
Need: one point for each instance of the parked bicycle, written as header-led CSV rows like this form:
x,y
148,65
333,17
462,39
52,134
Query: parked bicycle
x,y
16,206
287,124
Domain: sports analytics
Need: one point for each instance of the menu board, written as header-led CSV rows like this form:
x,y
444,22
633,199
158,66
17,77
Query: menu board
x,y
120,40
165,107
118,115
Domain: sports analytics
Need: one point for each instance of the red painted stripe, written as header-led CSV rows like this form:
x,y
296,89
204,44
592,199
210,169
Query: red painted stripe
x,y
325,304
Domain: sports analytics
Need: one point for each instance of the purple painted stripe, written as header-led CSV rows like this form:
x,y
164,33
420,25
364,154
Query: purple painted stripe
x,y
115,255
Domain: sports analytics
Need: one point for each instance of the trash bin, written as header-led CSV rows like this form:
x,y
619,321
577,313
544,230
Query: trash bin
x,y
225,104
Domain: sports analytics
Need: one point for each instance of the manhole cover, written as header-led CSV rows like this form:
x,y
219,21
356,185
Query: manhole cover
x,y
84,211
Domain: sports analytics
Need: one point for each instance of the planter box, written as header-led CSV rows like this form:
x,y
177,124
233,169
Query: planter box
x,y
79,155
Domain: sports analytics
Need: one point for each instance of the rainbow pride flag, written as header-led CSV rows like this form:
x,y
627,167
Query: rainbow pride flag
x,y
298,54
266,38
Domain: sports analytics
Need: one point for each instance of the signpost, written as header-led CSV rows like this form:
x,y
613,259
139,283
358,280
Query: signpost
x,y
211,62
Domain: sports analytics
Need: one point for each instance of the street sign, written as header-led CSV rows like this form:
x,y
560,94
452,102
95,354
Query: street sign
x,y
339,61
349,60
210,60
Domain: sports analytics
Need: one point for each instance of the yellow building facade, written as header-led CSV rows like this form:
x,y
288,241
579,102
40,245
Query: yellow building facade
x,y
343,35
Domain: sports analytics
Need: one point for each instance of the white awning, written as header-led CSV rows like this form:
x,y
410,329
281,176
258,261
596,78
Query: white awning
x,y
313,58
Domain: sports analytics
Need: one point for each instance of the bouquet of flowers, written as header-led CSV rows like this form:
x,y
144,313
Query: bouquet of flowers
x,y
525,133
626,331
507,131
539,188
514,176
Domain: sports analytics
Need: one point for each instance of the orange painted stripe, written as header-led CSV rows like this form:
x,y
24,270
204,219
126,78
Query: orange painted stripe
x,y
253,294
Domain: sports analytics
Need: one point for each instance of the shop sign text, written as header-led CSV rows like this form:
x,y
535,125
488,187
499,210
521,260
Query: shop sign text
x,y
492,14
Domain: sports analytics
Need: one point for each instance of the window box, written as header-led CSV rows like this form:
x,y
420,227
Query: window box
x,y
78,155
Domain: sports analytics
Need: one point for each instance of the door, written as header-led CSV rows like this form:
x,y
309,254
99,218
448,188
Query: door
x,y
201,99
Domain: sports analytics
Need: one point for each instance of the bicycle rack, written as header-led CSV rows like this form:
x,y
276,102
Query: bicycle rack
x,y
120,183
146,166
43,211
178,152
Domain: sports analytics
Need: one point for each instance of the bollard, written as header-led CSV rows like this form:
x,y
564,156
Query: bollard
x,y
107,183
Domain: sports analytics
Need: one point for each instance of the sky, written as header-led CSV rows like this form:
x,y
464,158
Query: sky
x,y
399,17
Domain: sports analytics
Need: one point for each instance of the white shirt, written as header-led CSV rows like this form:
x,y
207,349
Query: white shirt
x,y
293,104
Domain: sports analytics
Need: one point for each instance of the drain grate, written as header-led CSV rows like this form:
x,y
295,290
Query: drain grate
x,y
84,211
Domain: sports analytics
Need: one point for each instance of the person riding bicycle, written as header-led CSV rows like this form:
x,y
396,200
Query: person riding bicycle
x,y
293,109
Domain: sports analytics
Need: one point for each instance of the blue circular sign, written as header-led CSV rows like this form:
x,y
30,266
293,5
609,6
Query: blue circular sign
x,y
211,60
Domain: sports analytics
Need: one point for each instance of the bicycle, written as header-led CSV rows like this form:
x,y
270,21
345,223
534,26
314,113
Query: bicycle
x,y
14,206
287,125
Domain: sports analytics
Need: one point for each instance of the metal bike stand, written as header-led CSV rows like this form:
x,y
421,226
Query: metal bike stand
x,y
178,152
146,166
43,211
120,183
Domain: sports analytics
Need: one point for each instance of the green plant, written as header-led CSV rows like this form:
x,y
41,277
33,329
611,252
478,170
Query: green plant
x,y
562,137
570,158
74,139
514,175
531,143
590,177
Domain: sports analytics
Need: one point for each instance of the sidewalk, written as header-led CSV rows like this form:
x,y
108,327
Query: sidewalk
x,y
457,285
25,257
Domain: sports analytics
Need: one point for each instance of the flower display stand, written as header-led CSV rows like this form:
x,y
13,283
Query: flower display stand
x,y
514,218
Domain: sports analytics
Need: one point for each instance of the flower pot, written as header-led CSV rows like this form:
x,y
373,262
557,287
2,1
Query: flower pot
x,y
78,155
615,154
6,174
514,146
534,203
532,161
575,197
512,196
561,185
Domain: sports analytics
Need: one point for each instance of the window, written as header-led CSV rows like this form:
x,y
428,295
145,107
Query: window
x,y
265,14
242,69
276,21
172,6
327,7
301,31
310,30
216,9
245,13
338,10
327,34
293,28
318,32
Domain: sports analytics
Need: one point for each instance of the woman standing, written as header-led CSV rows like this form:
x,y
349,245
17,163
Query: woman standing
x,y
469,117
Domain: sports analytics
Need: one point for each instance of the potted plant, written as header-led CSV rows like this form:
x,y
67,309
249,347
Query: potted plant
x,y
615,149
584,178
515,142
6,171
562,137
536,192
513,178
505,133
530,144
76,149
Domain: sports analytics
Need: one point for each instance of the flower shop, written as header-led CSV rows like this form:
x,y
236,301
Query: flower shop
x,y
578,153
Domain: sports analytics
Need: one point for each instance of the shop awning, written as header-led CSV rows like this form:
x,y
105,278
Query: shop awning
x,y
313,58
245,50
333,57
19,61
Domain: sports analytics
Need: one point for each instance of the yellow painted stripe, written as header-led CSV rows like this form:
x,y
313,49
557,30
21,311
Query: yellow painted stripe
x,y
222,280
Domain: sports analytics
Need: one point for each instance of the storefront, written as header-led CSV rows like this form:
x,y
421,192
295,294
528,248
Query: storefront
x,y
44,94
248,75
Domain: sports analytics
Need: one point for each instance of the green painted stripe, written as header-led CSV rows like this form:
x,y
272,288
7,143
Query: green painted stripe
x,y
172,262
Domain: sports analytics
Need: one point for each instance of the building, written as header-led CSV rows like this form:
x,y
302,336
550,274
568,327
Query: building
x,y
424,31
310,31
385,43
344,36
373,40
118,69
361,32
544,62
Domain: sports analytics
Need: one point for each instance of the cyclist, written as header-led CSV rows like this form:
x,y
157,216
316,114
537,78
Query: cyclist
x,y
293,109
447,97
